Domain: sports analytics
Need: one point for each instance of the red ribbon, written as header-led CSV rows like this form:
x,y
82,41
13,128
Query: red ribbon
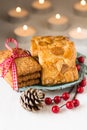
x,y
10,62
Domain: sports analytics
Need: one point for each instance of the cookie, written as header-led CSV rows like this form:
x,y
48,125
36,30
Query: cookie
x,y
29,77
57,57
27,68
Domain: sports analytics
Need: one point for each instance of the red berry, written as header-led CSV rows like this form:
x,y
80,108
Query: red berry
x,y
76,102
69,105
83,83
65,96
78,67
48,100
55,109
57,99
81,59
80,89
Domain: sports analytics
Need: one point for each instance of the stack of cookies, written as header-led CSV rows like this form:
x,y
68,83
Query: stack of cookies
x,y
28,69
57,57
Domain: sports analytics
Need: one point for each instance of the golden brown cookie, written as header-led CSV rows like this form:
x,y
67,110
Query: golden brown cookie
x,y
29,83
57,56
28,77
27,68
25,65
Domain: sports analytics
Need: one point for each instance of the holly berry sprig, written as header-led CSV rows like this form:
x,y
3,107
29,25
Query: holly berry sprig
x,y
70,104
80,60
65,96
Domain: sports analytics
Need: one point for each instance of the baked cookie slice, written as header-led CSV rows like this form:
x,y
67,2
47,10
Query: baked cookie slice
x,y
57,57
28,69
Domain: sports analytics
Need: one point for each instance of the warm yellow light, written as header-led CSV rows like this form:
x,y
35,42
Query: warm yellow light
x,y
83,2
25,27
79,30
18,9
58,16
41,1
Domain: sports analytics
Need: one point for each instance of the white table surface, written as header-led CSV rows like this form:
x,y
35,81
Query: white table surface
x,y
12,115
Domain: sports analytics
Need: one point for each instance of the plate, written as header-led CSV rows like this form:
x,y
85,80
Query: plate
x,y
60,86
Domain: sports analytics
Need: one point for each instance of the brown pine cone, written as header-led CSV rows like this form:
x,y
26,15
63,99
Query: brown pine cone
x,y
32,99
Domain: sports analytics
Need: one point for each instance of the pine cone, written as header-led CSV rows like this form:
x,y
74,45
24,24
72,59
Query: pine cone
x,y
32,99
